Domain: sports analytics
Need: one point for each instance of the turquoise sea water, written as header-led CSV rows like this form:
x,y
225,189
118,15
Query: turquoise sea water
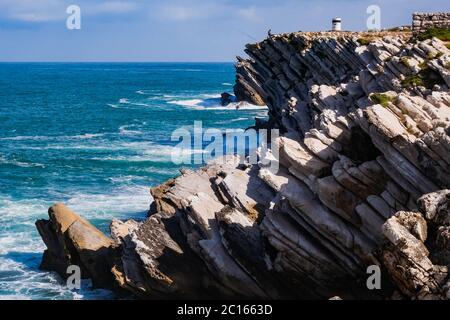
x,y
95,136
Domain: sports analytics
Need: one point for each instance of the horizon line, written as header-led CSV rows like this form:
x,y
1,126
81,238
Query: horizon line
x,y
48,61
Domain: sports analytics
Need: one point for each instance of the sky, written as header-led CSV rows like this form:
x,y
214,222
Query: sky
x,y
176,30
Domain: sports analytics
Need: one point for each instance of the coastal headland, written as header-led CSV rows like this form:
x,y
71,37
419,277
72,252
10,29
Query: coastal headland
x,y
362,181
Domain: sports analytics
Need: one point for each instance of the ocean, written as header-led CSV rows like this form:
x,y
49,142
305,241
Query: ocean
x,y
95,136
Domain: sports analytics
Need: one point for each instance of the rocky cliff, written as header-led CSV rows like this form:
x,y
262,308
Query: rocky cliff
x,y
364,171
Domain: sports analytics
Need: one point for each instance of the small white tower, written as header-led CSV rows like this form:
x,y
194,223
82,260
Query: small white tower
x,y
337,24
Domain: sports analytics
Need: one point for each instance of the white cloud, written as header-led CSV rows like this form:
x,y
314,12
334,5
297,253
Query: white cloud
x,y
249,13
179,12
33,11
55,10
193,10
111,7
34,17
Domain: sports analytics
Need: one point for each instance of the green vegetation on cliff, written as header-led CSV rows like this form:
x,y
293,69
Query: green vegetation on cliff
x,y
380,98
440,33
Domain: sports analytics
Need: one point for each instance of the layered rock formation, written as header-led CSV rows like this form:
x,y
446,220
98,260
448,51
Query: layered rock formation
x,y
71,240
246,88
363,172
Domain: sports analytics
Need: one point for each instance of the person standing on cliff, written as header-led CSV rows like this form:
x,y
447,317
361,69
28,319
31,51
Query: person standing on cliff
x,y
292,104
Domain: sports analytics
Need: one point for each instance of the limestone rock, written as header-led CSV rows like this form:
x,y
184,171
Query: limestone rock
x,y
71,240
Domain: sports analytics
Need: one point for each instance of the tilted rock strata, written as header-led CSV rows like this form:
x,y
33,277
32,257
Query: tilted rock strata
x,y
71,240
364,145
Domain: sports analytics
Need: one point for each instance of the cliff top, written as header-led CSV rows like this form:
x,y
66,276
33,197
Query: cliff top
x,y
405,34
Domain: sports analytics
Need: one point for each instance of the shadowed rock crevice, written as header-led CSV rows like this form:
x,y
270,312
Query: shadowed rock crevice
x,y
361,149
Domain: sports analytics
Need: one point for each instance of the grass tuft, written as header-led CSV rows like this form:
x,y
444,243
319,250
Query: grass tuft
x,y
405,61
412,81
364,41
423,65
440,33
380,98
426,78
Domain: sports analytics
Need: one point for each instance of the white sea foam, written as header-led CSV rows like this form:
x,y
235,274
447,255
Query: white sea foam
x,y
124,101
188,103
12,162
120,203
235,120
227,84
215,104
21,138
49,138
86,136
187,70
149,152
21,247
140,104
125,130
27,282
212,96
99,145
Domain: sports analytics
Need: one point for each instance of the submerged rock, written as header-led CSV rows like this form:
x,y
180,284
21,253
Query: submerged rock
x,y
226,99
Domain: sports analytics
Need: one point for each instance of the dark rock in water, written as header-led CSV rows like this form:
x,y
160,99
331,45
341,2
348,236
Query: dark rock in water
x,y
71,240
246,88
226,99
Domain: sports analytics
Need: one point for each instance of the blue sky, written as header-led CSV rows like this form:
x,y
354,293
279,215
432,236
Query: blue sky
x,y
175,30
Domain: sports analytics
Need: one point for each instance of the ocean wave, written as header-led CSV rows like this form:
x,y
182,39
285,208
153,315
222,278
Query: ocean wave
x,y
124,101
99,145
16,163
21,138
86,136
140,104
235,120
48,138
20,215
26,281
187,70
20,245
124,130
243,106
149,152
215,104
188,103
227,84
121,203
212,96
